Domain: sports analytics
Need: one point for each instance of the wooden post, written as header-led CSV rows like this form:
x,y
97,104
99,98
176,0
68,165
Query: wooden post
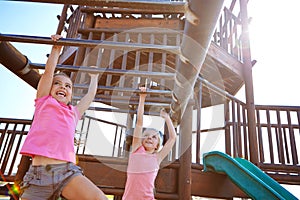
x,y
185,159
247,72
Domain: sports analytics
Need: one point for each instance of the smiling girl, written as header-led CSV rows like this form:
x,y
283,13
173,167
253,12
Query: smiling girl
x,y
50,141
146,156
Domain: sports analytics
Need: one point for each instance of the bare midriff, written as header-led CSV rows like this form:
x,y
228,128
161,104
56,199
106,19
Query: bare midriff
x,y
42,160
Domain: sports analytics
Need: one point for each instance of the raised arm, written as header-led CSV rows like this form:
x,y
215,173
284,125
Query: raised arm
x,y
85,102
46,79
138,130
172,137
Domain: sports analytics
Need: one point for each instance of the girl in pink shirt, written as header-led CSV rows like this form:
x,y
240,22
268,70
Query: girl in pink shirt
x,y
50,141
145,157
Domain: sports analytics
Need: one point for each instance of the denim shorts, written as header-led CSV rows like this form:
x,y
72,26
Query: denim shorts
x,y
47,182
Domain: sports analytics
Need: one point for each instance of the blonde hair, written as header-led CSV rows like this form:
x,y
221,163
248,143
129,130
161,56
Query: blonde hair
x,y
160,136
62,74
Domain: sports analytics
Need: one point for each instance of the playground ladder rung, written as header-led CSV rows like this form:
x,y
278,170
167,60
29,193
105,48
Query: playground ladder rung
x,y
134,31
121,89
158,75
104,44
122,111
107,98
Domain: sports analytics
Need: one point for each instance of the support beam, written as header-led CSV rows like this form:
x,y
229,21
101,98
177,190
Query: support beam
x,y
176,7
185,159
17,63
201,19
247,71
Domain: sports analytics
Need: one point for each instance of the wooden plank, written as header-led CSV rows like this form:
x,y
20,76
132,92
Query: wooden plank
x,y
110,175
176,7
119,23
227,60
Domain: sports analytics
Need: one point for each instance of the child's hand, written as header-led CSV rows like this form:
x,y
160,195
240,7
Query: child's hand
x,y
91,74
163,113
55,37
143,91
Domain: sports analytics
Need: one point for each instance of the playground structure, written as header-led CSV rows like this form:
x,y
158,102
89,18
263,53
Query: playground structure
x,y
193,56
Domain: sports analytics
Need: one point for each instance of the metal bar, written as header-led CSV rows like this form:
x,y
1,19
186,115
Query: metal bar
x,y
126,103
91,43
115,141
119,72
122,111
159,99
104,121
131,90
117,30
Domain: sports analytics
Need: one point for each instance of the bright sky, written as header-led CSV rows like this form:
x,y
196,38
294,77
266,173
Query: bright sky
x,y
274,33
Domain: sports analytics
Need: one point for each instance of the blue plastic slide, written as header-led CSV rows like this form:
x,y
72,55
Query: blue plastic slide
x,y
249,178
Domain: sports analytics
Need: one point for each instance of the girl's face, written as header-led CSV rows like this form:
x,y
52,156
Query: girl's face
x,y
61,89
150,140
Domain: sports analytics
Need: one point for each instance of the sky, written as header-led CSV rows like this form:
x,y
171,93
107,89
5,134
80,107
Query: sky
x,y
274,32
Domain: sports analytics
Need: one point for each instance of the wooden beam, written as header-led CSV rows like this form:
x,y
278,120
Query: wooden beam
x,y
176,7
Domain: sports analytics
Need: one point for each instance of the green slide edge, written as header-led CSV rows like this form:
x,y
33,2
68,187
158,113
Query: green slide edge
x,y
249,178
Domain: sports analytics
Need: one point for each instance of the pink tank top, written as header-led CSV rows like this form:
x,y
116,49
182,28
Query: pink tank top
x,y
141,173
52,130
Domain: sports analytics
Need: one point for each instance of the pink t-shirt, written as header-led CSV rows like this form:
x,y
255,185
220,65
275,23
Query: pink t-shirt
x,y
141,173
52,130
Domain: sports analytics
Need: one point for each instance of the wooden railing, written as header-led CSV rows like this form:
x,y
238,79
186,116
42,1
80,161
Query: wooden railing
x,y
277,131
12,136
229,30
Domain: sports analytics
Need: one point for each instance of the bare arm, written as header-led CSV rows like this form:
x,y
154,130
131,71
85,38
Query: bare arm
x,y
85,102
138,130
172,137
46,79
